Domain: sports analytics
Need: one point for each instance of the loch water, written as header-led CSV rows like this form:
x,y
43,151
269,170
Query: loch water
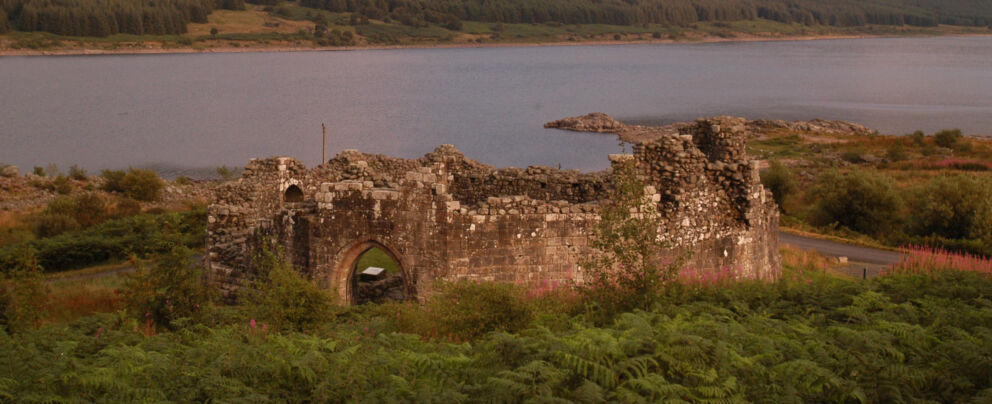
x,y
206,110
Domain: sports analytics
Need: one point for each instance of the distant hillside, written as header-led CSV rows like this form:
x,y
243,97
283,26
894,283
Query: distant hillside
x,y
158,17
675,12
108,17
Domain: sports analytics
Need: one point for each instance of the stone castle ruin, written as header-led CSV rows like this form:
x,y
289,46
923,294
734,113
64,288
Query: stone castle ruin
x,y
447,217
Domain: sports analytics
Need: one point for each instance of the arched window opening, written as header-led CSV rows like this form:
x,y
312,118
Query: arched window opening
x,y
378,278
293,194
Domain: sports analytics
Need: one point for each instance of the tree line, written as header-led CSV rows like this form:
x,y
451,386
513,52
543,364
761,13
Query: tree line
x,y
169,17
108,17
672,12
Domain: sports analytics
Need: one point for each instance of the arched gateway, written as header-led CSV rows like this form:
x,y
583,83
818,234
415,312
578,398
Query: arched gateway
x,y
445,217
345,275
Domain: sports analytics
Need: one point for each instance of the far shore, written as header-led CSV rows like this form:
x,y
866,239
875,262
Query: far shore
x,y
278,48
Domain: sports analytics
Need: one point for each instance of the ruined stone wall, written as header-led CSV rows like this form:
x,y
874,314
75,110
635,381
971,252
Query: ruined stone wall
x,y
538,182
445,217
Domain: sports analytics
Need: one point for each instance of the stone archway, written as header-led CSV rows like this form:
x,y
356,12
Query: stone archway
x,y
343,277
293,194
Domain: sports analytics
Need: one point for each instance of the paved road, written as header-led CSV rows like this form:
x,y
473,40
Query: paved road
x,y
834,249
862,261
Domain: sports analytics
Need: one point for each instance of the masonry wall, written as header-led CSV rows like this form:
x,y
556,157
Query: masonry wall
x,y
447,217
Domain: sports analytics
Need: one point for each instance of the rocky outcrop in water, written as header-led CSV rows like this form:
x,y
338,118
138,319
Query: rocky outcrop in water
x,y
602,123
820,126
593,122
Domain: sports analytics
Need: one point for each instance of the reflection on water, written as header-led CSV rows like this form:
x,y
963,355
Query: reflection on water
x,y
213,109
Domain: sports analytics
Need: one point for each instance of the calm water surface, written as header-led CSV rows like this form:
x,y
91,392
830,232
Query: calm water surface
x,y
212,109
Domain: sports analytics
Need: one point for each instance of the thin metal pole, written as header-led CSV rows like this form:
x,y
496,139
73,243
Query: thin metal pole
x,y
323,145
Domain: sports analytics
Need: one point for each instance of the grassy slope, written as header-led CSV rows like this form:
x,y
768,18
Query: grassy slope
x,y
254,28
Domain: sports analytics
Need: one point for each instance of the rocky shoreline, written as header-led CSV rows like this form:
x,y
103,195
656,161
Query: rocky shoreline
x,y
5,50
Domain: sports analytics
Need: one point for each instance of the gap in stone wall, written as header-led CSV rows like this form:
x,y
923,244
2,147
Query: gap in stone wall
x,y
388,286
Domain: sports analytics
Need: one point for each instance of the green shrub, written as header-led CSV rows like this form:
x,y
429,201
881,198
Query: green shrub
x,y
466,310
284,299
58,217
624,269
982,229
22,291
170,291
77,173
141,235
947,138
52,170
918,137
15,235
90,210
963,147
339,38
226,173
61,185
853,157
896,152
183,180
54,224
63,205
66,214
39,171
127,207
779,180
451,22
950,206
861,200
142,184
112,180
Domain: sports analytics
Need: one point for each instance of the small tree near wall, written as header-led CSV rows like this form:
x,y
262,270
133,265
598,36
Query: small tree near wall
x,y
624,271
